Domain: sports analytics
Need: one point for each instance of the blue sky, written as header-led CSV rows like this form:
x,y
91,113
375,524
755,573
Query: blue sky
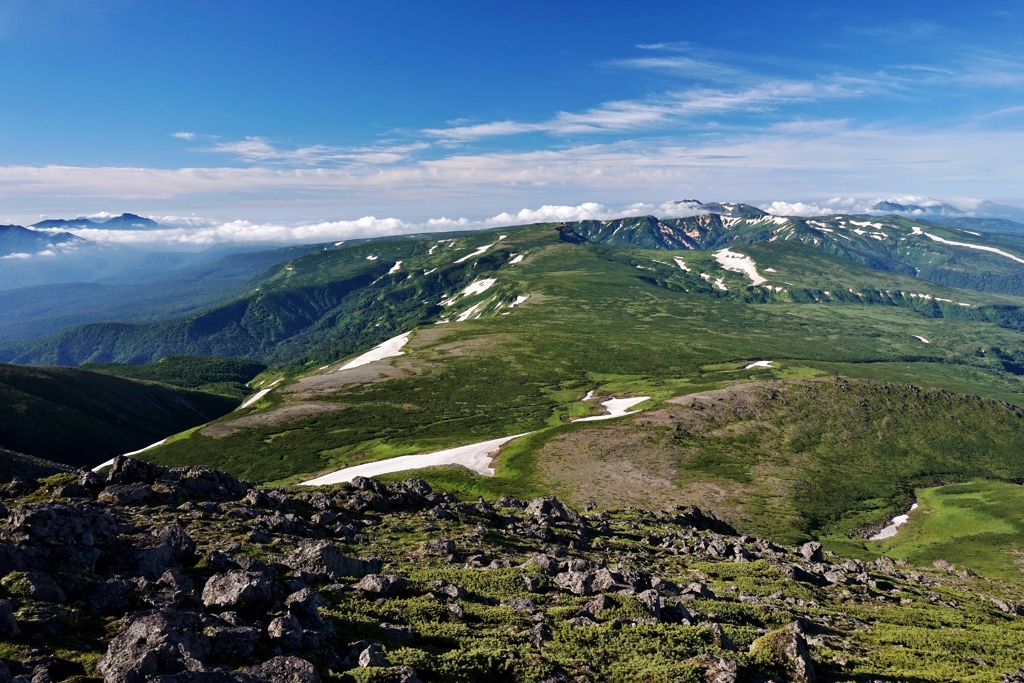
x,y
330,111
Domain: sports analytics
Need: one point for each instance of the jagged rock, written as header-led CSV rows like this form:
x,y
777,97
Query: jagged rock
x,y
599,604
651,602
1014,676
373,655
406,674
698,590
795,573
448,590
245,591
285,670
716,669
540,634
381,585
285,633
945,566
719,636
233,642
810,551
155,643
549,509
522,605
544,563
8,624
324,558
126,494
579,583
441,546
35,585
791,648
305,606
112,597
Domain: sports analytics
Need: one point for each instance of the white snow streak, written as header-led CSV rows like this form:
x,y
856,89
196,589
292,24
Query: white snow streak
x,y
389,349
897,522
395,268
617,407
739,263
476,457
917,336
974,246
478,252
759,364
258,395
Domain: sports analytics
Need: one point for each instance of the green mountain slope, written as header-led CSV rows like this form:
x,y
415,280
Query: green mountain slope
x,y
82,418
331,303
615,320
949,256
216,375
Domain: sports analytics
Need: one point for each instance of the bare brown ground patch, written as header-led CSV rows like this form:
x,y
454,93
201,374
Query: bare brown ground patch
x,y
328,381
643,462
288,413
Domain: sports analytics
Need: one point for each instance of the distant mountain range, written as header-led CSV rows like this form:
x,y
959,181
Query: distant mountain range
x,y
16,240
126,221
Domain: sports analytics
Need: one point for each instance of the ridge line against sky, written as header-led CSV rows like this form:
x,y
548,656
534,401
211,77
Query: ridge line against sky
x,y
917,100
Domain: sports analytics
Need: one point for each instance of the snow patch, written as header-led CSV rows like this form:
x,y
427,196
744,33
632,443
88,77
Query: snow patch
x,y
974,246
389,349
892,529
917,336
371,257
479,252
478,287
680,263
516,260
464,316
476,457
739,263
395,268
519,299
759,364
258,395
616,407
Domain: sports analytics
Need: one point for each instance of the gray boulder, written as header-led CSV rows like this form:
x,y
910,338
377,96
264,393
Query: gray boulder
x,y
373,655
810,551
35,585
285,670
126,494
549,509
324,558
285,633
245,591
233,642
8,624
381,585
155,643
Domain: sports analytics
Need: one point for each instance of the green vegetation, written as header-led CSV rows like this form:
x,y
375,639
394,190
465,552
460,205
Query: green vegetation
x,y
215,375
82,418
979,525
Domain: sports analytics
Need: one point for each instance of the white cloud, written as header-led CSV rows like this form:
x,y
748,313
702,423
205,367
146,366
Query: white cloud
x,y
668,108
182,135
18,255
258,149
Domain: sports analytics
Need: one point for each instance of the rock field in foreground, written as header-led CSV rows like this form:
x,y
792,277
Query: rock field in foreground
x,y
178,575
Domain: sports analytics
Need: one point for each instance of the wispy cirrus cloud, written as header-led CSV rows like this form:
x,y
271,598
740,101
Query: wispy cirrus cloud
x,y
184,135
259,150
667,109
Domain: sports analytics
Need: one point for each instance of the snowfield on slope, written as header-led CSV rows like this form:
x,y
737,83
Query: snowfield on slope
x,y
739,263
974,246
892,529
476,457
616,407
255,397
392,347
